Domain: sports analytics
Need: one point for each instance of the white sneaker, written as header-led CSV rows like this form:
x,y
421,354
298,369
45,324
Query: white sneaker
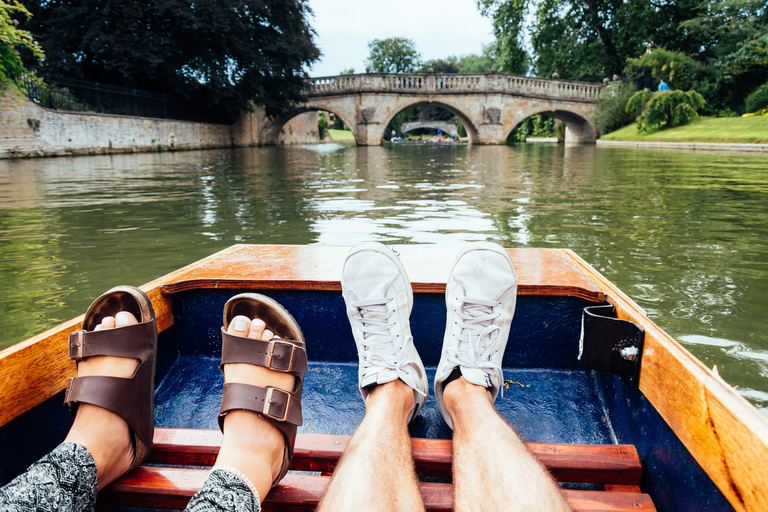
x,y
379,299
480,297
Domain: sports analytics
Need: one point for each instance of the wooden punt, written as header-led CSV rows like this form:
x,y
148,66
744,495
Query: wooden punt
x,y
676,438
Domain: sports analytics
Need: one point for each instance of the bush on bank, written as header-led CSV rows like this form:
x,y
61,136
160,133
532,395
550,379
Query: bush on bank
x,y
612,107
757,99
663,109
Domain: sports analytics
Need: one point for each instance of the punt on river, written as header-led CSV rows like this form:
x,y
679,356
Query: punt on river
x,y
652,431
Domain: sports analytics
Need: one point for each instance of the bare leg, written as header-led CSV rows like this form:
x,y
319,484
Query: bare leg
x,y
104,434
376,471
251,444
492,467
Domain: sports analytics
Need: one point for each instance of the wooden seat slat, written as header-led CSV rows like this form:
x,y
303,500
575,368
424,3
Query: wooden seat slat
x,y
599,464
172,488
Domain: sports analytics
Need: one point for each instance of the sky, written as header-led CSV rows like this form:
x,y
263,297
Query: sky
x,y
438,27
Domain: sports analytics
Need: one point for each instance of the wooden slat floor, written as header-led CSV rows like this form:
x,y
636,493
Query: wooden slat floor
x,y
615,468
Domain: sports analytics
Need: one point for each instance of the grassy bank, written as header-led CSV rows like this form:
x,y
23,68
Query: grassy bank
x,y
341,136
707,129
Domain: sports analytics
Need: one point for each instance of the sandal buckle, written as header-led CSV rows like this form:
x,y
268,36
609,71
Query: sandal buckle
x,y
282,355
76,343
268,404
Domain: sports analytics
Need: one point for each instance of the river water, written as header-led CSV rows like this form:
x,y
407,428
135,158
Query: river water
x,y
685,234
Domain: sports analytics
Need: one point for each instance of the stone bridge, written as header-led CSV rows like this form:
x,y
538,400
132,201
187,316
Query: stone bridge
x,y
446,126
489,105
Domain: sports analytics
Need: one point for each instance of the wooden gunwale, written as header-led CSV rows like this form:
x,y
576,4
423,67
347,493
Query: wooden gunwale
x,y
724,433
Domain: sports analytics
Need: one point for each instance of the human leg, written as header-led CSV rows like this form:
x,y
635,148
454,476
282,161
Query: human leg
x,y
376,471
493,469
255,451
100,445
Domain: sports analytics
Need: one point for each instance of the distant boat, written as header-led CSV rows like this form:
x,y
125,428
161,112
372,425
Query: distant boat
x,y
644,426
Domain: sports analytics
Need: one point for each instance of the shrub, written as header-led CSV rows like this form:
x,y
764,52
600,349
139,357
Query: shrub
x,y
665,109
757,99
612,107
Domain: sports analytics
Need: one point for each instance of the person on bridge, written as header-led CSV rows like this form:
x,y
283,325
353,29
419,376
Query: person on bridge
x,y
663,86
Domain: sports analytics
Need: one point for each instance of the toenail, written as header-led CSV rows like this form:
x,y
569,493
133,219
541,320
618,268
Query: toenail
x,y
239,325
121,318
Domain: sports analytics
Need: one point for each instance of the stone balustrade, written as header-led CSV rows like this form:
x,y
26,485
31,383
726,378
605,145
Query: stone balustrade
x,y
454,84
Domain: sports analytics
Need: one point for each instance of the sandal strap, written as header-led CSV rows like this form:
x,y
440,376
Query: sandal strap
x,y
276,354
273,403
125,397
132,341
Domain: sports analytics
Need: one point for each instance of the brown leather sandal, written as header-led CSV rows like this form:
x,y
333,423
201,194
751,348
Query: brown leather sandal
x,y
130,398
287,354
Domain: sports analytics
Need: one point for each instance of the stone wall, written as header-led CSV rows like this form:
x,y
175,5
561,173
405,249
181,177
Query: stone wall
x,y
26,129
302,129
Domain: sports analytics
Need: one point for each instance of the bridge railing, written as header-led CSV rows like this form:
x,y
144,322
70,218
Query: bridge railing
x,y
453,84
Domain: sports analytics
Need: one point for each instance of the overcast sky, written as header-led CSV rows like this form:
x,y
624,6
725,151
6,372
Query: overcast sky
x,y
438,27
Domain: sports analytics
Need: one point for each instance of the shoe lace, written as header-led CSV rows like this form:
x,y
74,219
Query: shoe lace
x,y
477,336
379,348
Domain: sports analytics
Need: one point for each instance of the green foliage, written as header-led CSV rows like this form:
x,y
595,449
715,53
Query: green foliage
x,y
350,71
751,54
12,39
612,108
393,55
227,53
538,125
446,65
675,68
322,124
470,64
665,109
482,63
757,99
508,19
587,39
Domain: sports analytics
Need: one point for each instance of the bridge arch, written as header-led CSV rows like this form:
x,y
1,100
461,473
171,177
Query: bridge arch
x,y
469,124
446,126
580,127
271,133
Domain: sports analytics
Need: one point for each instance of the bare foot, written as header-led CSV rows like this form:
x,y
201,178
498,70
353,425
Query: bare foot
x,y
103,433
251,444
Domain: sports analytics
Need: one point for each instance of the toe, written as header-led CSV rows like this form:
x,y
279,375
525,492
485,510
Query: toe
x,y
257,329
108,322
267,335
124,318
239,326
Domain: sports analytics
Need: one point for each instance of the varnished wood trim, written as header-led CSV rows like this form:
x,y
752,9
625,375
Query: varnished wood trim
x,y
335,286
172,488
36,369
602,463
726,435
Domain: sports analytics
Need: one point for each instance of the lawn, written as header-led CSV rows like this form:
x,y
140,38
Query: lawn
x,y
707,129
341,136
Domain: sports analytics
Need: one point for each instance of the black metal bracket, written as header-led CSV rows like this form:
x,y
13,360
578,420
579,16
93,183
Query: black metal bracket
x,y
609,344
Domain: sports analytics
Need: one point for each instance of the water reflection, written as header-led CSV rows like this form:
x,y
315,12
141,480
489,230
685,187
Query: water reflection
x,y
683,233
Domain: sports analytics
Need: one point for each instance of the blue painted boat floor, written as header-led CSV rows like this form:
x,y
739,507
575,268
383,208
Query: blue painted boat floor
x,y
564,406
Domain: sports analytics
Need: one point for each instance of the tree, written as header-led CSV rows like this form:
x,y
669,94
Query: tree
x,y
508,19
586,39
12,39
226,52
446,65
393,55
